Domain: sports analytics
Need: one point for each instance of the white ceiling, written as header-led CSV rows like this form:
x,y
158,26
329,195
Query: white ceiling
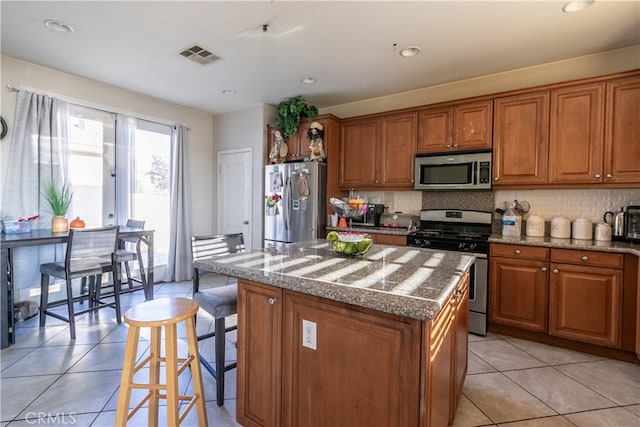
x,y
347,46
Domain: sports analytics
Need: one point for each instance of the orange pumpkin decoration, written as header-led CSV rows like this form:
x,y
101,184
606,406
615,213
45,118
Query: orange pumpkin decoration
x,y
77,223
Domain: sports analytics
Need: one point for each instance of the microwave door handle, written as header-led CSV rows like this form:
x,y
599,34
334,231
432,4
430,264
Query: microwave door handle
x,y
474,173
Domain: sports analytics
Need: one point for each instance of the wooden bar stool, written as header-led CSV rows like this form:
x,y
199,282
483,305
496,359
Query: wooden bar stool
x,y
157,314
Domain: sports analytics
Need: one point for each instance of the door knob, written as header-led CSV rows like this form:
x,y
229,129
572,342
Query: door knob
x,y
544,268
555,271
609,175
585,258
272,301
597,175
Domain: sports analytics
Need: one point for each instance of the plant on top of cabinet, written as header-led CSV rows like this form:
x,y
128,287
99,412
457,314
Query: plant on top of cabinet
x,y
290,113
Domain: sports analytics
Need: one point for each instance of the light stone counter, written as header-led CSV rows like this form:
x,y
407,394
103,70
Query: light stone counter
x,y
552,242
405,281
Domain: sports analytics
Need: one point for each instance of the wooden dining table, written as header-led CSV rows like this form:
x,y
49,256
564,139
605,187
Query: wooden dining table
x,y
41,237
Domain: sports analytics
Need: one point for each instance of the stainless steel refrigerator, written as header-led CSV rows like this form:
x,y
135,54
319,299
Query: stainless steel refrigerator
x,y
294,208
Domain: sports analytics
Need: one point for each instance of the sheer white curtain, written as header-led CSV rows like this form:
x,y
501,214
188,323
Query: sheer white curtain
x,y
125,165
39,150
179,265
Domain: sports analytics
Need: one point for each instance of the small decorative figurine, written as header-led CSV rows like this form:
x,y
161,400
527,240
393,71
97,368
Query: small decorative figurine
x,y
278,147
316,133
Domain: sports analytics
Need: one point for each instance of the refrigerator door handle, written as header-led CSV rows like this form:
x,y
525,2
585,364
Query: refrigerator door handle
x,y
286,204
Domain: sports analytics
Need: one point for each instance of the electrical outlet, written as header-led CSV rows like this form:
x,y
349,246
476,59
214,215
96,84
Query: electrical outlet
x,y
309,334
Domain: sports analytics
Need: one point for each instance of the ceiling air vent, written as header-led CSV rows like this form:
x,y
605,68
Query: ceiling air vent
x,y
200,55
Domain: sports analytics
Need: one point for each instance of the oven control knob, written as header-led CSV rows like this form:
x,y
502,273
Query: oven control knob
x,y
461,246
426,243
472,246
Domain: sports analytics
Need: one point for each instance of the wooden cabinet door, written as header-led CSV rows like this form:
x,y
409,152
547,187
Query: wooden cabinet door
x,y
585,304
259,385
519,293
576,140
622,136
363,371
521,139
299,143
473,126
398,147
389,239
359,154
439,382
435,130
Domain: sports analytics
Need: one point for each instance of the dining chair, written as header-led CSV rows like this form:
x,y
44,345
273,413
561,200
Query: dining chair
x,y
89,254
124,256
220,302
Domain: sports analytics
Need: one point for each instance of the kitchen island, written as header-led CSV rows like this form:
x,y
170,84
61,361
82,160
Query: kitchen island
x,y
327,340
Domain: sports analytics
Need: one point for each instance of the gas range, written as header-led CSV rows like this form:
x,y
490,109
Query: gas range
x,y
453,230
461,231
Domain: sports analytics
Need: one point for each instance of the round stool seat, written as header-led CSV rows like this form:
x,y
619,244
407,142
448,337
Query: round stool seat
x,y
160,312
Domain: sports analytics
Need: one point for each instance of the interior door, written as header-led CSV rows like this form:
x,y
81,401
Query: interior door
x,y
234,193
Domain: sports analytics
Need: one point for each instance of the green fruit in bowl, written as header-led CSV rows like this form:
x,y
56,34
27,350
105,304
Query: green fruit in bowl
x,y
364,245
350,248
339,247
332,236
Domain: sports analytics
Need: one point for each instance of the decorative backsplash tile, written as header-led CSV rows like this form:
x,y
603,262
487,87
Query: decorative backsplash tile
x,y
585,203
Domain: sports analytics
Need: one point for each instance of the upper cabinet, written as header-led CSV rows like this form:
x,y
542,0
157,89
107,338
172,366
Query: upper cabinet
x,y
378,152
455,127
577,134
622,131
521,139
574,136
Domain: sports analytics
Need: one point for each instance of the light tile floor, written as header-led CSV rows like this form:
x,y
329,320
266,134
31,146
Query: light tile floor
x,y
48,380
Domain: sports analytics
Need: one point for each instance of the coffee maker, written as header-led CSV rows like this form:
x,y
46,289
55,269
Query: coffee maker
x,y
371,217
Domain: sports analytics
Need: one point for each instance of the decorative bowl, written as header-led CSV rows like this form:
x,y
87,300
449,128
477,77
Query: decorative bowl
x,y
349,243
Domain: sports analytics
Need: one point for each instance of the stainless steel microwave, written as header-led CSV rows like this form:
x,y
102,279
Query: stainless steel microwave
x,y
468,171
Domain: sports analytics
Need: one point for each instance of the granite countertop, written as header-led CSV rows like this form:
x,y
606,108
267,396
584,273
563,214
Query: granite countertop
x,y
552,242
404,281
396,231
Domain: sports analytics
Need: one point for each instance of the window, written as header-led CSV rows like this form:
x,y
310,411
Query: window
x,y
92,171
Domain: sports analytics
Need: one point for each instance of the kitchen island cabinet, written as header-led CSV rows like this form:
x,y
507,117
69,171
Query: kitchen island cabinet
x,y
327,340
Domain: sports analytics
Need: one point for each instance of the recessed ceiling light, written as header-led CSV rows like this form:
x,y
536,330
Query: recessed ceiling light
x,y
409,51
308,80
229,92
57,26
577,6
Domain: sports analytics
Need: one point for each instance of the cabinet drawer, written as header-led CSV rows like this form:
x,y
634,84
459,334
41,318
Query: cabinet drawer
x,y
596,259
519,251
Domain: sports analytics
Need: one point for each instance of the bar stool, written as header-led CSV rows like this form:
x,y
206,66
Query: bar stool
x,y
158,314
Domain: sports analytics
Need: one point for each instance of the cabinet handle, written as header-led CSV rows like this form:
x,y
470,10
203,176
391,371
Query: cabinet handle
x,y
517,252
585,258
448,145
272,301
455,145
609,175
544,269
555,271
597,175
496,178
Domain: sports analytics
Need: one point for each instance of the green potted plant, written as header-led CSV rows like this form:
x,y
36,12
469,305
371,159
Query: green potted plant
x,y
59,199
290,113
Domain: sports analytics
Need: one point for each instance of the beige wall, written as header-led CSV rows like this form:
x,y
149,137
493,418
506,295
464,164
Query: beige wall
x,y
72,88
245,129
585,66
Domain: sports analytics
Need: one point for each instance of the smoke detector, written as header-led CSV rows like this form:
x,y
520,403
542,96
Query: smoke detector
x,y
199,54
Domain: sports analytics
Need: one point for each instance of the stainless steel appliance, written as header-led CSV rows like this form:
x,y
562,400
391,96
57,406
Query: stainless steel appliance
x,y
469,171
295,196
632,221
461,231
371,217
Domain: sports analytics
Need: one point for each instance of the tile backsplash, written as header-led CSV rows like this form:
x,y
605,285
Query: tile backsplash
x,y
589,204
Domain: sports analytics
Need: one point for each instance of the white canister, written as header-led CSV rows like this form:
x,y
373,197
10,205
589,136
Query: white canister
x,y
603,232
560,227
535,226
582,229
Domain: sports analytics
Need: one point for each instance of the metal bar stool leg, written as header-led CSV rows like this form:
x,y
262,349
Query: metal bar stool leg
x,y
220,345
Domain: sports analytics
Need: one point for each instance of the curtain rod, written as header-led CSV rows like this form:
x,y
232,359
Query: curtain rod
x,y
9,88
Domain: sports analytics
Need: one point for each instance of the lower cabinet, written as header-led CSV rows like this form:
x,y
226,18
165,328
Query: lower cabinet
x,y
566,293
308,361
586,303
389,239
